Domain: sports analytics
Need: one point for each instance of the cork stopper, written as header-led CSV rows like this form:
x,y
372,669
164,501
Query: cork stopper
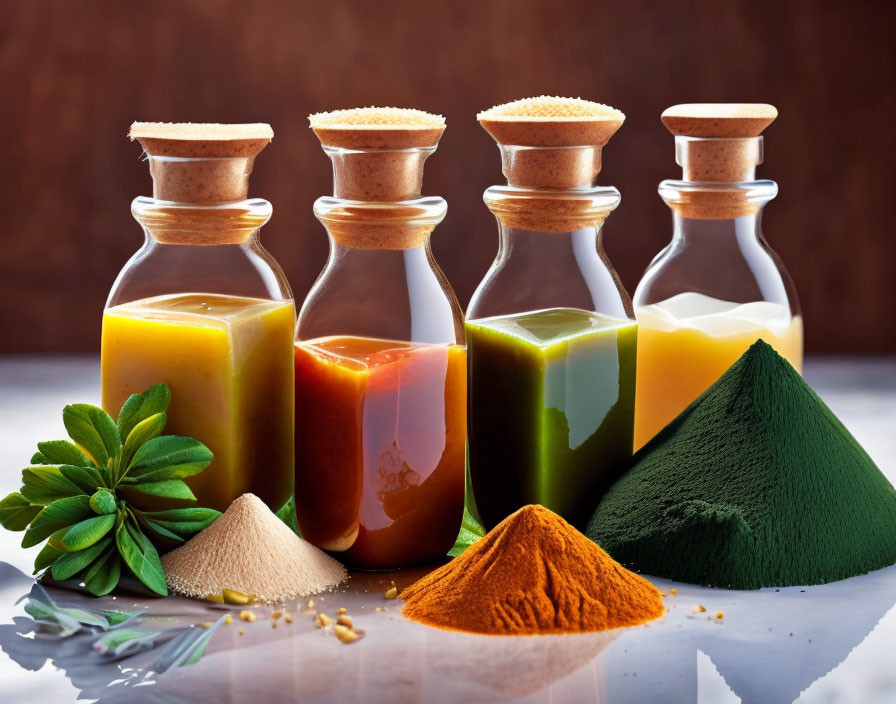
x,y
201,164
719,142
551,142
378,153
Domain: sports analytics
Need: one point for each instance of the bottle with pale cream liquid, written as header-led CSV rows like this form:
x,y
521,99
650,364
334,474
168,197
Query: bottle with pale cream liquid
x,y
717,287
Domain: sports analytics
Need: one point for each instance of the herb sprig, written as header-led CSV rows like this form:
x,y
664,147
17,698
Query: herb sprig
x,y
74,495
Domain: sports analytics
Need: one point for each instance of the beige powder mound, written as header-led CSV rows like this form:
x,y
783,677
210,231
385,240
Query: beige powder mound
x,y
250,550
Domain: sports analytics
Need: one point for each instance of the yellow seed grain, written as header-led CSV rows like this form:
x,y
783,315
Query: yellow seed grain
x,y
206,624
322,621
228,619
341,610
345,620
346,634
242,632
673,591
391,593
720,614
217,598
235,598
380,608
276,615
698,609
248,616
288,618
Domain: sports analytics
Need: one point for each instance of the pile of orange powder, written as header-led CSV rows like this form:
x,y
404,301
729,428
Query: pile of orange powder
x,y
533,574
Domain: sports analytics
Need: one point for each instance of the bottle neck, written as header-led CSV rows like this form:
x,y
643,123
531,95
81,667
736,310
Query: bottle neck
x,y
705,200
551,210
171,222
365,225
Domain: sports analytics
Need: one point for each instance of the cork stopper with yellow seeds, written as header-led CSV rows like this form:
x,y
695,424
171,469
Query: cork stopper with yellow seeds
x,y
201,164
721,144
378,153
378,156
551,142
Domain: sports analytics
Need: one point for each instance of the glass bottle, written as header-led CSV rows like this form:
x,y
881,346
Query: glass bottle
x,y
550,332
380,360
717,287
205,309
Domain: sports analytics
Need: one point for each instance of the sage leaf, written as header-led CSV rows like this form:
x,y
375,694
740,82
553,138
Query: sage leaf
x,y
170,489
46,557
122,642
103,502
71,563
185,649
63,452
89,479
57,515
38,458
85,533
183,521
117,618
16,512
168,457
141,557
143,432
139,407
44,485
93,429
287,514
159,530
103,575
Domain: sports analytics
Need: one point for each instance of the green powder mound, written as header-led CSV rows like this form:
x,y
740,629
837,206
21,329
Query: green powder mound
x,y
755,484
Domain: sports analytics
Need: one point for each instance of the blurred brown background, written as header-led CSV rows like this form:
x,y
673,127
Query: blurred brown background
x,y
75,74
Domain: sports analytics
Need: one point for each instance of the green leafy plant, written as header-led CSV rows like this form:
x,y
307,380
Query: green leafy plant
x,y
470,531
75,494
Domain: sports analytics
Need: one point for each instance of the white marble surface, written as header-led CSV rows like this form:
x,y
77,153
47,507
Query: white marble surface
x,y
826,644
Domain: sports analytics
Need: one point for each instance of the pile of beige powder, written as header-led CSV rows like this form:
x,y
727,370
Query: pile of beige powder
x,y
249,550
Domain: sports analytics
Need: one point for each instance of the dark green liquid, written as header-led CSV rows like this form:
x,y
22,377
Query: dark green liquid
x,y
551,410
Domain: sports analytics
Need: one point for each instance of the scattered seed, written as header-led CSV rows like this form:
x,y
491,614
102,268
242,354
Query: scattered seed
x,y
248,616
342,610
273,624
288,618
322,620
206,624
310,603
242,632
380,608
673,591
391,593
235,598
228,619
217,598
347,635
698,609
720,614
276,615
345,620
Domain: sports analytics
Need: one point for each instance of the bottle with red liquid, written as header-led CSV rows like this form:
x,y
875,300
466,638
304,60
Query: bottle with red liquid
x,y
380,357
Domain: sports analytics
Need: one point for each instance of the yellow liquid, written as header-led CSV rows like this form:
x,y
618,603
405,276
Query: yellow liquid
x,y
686,343
229,363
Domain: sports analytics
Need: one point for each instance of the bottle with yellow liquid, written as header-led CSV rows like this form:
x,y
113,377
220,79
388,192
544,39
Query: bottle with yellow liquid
x,y
205,309
717,287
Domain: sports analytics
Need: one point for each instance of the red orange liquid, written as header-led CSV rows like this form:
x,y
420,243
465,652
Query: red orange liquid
x,y
380,448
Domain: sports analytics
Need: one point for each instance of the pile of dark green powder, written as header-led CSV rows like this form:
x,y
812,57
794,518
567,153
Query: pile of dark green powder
x,y
755,484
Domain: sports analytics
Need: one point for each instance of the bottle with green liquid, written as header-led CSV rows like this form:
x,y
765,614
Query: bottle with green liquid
x,y
551,337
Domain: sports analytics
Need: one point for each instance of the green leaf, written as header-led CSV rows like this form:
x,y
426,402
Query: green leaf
x,y
159,530
470,532
38,458
141,557
88,478
139,407
16,512
103,502
171,489
122,642
85,533
103,575
143,432
71,563
93,429
59,514
287,514
168,457
46,557
44,485
183,521
63,452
